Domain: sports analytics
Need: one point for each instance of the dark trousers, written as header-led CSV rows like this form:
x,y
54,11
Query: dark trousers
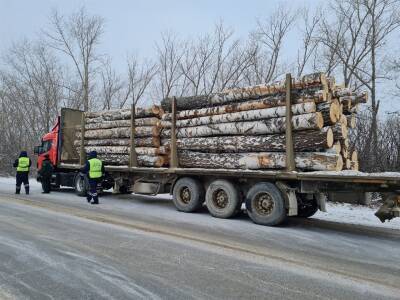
x,y
92,194
22,178
46,184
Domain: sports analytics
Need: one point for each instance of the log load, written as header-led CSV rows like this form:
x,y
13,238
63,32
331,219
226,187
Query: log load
x,y
331,111
300,88
269,126
140,122
351,121
139,142
150,151
250,115
237,107
122,114
312,140
120,132
316,161
143,160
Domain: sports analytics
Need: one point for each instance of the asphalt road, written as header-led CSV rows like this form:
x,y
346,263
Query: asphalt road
x,y
133,247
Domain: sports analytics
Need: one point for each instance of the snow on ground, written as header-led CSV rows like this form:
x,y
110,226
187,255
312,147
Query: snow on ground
x,y
354,214
336,212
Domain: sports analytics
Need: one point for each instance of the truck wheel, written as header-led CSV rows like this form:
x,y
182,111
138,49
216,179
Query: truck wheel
x,y
188,194
223,199
265,204
306,208
81,186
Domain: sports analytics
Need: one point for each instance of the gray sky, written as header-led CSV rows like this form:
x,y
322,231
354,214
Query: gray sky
x,y
134,26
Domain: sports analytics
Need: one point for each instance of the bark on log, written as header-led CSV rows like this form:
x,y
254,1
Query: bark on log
x,y
330,111
318,161
351,121
340,132
124,114
236,107
312,140
143,160
233,96
270,126
250,115
336,148
139,142
122,132
150,151
140,122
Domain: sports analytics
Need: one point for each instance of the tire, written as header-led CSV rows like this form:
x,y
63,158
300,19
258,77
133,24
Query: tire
x,y
265,204
81,186
306,208
188,194
123,190
223,199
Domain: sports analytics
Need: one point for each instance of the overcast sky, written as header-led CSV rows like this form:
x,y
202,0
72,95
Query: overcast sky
x,y
134,26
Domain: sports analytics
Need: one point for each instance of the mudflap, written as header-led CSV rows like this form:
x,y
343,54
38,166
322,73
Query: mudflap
x,y
390,208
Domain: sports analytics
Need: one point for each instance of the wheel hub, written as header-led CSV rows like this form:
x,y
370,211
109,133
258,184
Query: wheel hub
x,y
264,204
220,198
185,195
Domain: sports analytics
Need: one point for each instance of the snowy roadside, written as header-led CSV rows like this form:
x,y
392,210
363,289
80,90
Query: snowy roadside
x,y
336,212
354,214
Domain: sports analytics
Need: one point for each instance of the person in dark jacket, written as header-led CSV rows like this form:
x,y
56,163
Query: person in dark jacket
x,y
22,164
94,168
45,174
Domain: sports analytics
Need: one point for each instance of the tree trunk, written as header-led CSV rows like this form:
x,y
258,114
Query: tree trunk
x,y
330,112
153,141
250,115
124,114
312,140
317,161
270,126
218,99
340,132
232,108
149,151
101,124
122,132
143,160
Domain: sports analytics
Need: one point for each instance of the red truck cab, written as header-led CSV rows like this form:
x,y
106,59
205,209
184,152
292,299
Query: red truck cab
x,y
49,146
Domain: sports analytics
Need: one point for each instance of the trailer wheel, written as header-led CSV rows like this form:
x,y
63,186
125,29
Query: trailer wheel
x,y
306,208
223,199
188,194
81,185
265,204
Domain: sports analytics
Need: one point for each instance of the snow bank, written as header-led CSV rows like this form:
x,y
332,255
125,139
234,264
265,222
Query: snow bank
x,y
354,214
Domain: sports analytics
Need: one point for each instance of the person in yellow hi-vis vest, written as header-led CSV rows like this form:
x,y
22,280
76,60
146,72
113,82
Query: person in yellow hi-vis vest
x,y
94,168
23,164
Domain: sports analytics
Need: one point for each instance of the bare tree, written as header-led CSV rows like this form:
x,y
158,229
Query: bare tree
x,y
77,36
111,86
139,78
308,47
269,38
169,58
357,37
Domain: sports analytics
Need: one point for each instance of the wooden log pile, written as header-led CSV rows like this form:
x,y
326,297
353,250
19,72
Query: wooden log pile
x,y
240,128
244,128
109,134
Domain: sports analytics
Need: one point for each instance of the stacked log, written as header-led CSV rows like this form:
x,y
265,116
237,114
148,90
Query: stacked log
x,y
239,128
244,128
109,134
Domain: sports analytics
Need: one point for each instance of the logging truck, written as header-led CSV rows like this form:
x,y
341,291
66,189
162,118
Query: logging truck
x,y
270,196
